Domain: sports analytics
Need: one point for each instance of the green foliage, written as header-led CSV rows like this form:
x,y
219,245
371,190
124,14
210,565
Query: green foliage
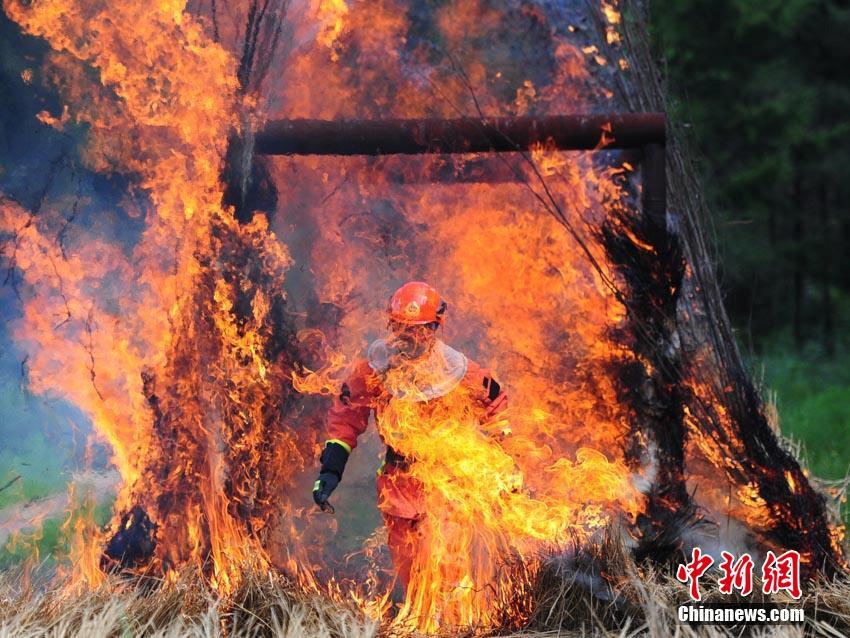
x,y
812,395
764,85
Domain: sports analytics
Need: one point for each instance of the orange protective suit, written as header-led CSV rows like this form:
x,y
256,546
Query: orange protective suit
x,y
400,495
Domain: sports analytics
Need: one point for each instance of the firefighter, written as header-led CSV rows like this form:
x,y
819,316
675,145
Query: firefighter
x,y
416,312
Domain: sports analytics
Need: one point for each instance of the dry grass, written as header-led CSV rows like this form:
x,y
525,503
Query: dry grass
x,y
264,606
597,591
601,591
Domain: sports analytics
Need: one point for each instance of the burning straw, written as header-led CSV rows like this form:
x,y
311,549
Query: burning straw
x,y
263,605
598,591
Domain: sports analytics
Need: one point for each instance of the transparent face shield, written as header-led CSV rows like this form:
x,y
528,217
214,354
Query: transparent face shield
x,y
411,341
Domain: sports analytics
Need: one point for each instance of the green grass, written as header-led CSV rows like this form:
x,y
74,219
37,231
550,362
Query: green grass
x,y
35,446
813,397
40,470
36,457
36,544
50,541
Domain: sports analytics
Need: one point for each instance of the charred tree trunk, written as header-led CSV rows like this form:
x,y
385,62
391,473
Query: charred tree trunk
x,y
212,456
248,184
648,256
728,410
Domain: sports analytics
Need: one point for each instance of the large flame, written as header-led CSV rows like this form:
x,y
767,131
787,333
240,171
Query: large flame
x,y
109,325
488,500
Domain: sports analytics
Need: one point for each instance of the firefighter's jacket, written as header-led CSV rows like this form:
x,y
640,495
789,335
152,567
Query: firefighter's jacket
x,y
366,390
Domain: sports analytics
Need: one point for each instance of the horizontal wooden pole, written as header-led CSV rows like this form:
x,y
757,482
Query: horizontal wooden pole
x,y
462,135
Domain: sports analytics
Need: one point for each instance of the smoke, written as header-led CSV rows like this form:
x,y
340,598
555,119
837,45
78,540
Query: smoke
x,y
50,445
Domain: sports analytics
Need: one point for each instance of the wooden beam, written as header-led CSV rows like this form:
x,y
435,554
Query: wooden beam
x,y
462,135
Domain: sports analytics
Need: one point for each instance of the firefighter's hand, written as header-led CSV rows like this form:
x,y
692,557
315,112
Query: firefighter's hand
x,y
323,488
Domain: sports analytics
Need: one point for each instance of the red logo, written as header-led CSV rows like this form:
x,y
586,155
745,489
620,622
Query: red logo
x,y
691,572
737,574
778,573
782,572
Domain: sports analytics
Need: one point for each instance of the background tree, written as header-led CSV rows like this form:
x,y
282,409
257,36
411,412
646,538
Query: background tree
x,y
764,85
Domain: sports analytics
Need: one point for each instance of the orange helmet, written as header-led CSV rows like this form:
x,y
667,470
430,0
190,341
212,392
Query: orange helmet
x,y
417,303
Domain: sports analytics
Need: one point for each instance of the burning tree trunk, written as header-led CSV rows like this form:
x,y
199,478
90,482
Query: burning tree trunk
x,y
664,383
724,413
220,453
648,256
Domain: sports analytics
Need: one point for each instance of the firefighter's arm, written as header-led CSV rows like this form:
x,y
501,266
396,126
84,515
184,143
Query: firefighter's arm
x,y
347,420
494,421
492,398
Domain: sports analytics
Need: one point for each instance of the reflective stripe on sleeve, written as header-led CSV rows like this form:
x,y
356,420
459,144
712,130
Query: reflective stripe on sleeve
x,y
345,445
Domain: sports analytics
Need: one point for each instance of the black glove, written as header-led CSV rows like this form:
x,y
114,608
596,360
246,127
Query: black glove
x,y
323,487
334,458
